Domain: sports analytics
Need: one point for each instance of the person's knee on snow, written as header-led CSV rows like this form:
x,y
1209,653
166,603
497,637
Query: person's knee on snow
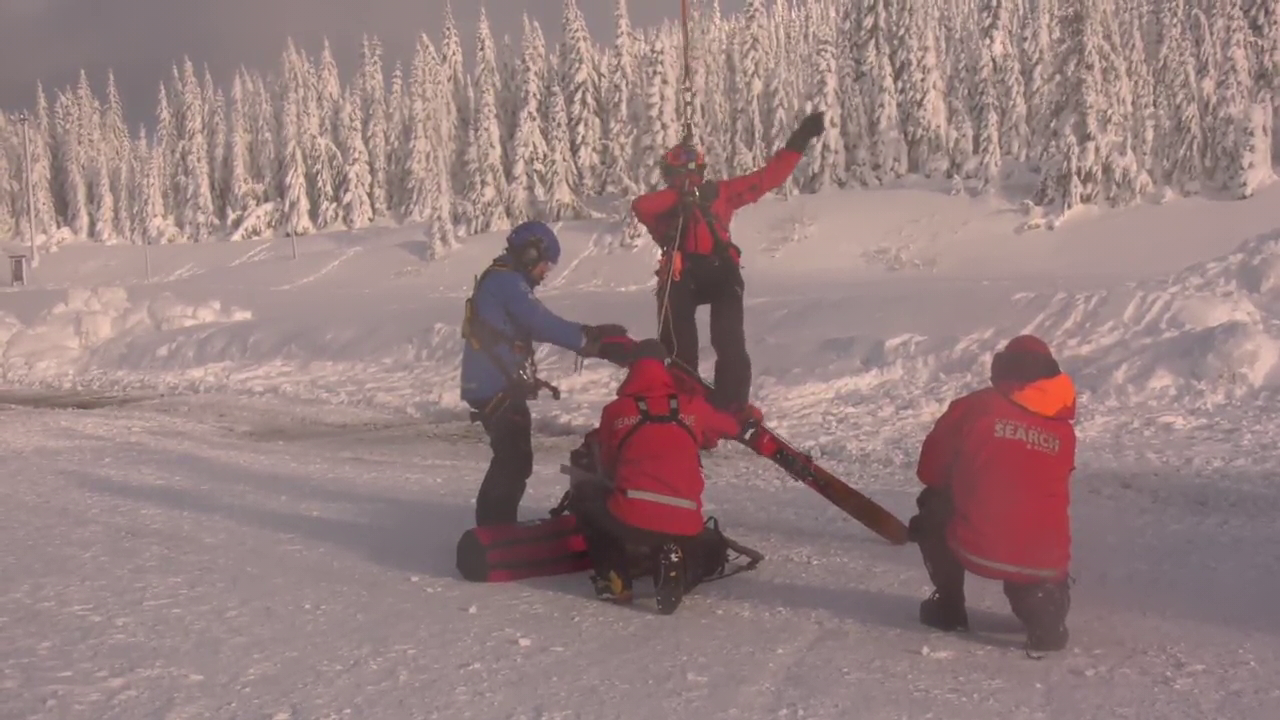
x,y
1042,607
650,440
996,467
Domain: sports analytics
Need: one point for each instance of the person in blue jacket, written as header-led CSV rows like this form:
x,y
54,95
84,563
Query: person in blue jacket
x,y
503,321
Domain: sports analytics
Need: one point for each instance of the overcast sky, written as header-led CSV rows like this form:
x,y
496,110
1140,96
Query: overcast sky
x,y
51,40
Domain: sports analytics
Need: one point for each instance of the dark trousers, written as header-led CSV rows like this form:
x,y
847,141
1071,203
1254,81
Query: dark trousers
x,y
628,550
1042,607
714,281
510,429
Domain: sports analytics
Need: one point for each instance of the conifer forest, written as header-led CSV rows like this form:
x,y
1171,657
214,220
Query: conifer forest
x,y
1102,102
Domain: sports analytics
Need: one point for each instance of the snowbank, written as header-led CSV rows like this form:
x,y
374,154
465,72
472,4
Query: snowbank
x,y
849,358
61,342
1213,328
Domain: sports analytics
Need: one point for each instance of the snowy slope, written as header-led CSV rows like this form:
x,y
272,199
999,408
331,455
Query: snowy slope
x,y
216,559
281,546
886,301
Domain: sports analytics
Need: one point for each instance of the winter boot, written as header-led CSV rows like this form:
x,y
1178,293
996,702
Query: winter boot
x,y
1042,608
945,612
669,578
1050,639
612,587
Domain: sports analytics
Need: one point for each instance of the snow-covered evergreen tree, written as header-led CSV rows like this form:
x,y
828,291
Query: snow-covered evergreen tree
x,y
39,138
397,140
527,189
580,78
357,210
295,203
888,149
486,189
195,199
70,159
827,167
1180,129
1240,133
459,105
749,83
562,202
619,117
120,163
924,100
417,201
374,122
662,127
215,125
854,129
154,219
242,195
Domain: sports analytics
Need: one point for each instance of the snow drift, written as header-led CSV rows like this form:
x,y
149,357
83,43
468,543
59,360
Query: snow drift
x,y
846,354
1212,329
64,340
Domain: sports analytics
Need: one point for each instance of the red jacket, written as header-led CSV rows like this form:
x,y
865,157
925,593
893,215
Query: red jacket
x,y
657,473
659,210
1006,453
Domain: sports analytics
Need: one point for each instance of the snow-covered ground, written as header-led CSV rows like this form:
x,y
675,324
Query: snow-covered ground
x,y
280,543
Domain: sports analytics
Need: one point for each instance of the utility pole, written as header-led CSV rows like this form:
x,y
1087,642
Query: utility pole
x,y
31,206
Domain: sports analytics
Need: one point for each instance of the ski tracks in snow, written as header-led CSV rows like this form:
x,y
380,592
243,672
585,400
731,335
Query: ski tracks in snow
x,y
255,254
321,272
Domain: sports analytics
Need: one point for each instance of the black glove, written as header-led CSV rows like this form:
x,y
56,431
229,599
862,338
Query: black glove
x,y
596,335
811,127
600,332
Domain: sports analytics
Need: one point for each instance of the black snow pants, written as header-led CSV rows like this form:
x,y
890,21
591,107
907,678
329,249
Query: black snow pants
x,y
1041,607
510,429
628,550
716,281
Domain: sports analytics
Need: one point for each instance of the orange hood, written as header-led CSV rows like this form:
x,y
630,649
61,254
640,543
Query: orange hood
x,y
1053,397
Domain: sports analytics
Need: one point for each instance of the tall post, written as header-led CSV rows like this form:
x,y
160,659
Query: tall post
x,y
687,90
31,206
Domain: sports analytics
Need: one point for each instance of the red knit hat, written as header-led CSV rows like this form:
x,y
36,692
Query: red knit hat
x,y
1026,358
649,349
1028,344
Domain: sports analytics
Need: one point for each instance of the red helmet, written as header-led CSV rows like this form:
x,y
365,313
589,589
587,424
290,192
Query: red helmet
x,y
683,165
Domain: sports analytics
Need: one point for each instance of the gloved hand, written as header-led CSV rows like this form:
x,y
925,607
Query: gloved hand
x,y
811,127
596,336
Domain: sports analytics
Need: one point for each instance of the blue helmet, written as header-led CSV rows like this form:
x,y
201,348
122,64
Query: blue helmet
x,y
533,242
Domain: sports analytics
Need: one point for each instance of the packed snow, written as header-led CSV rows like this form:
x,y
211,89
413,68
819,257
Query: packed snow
x,y
258,518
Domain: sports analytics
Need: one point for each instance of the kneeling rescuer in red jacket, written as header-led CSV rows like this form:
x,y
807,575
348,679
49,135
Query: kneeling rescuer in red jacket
x,y
997,469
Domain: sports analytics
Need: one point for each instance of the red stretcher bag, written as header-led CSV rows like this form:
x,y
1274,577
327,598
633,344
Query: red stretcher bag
x,y
535,548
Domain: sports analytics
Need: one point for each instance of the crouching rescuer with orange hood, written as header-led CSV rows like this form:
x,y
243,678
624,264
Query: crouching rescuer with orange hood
x,y
689,219
996,468
638,485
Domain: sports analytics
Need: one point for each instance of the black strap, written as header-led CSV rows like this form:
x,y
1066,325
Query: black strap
x,y
720,243
672,417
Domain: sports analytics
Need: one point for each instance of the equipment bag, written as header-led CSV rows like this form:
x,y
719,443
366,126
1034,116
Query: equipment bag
x,y
535,548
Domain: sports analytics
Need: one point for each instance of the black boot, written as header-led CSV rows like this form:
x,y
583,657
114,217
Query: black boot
x,y
1050,639
669,578
945,612
1042,608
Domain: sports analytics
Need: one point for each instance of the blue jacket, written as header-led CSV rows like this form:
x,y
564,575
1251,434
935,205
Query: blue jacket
x,y
505,301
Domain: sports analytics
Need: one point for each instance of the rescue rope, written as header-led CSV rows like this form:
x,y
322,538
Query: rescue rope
x,y
664,287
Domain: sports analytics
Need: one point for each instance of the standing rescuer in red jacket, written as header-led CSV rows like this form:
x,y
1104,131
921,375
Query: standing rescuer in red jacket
x,y
689,219
649,440
997,468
